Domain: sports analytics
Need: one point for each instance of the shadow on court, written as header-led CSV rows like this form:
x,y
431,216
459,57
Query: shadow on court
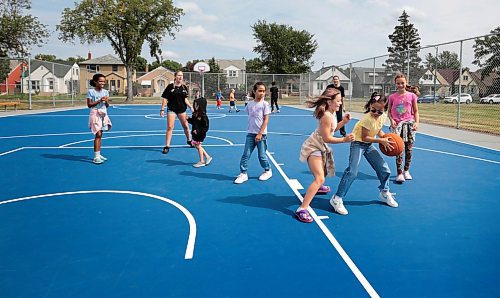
x,y
266,201
170,162
68,157
208,175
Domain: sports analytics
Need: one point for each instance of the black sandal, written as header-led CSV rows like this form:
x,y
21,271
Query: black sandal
x,y
190,143
165,150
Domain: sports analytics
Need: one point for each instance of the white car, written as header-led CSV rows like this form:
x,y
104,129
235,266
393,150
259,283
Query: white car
x,y
464,98
491,99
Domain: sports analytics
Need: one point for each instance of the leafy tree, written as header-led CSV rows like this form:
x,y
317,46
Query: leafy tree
x,y
46,57
168,64
404,38
283,49
255,66
74,60
19,32
140,64
214,80
126,24
4,67
487,53
445,59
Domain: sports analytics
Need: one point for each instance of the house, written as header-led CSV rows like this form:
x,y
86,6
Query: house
x,y
488,84
324,77
12,83
49,78
469,85
154,82
432,81
366,80
111,67
234,71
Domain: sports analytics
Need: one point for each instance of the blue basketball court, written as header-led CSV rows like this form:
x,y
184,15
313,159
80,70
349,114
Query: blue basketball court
x,y
144,224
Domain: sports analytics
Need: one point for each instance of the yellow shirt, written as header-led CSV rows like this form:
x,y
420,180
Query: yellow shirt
x,y
373,125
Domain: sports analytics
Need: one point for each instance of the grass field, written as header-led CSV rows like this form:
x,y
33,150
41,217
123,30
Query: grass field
x,y
474,117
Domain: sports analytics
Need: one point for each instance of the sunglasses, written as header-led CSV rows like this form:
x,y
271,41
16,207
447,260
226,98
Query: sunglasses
x,y
380,112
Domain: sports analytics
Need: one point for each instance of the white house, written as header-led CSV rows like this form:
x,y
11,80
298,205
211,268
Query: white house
x,y
234,71
51,78
325,77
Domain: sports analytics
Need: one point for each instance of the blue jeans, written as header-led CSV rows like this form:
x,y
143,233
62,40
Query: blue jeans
x,y
374,159
250,145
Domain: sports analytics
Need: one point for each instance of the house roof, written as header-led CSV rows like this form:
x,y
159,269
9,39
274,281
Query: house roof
x,y
380,79
159,69
60,70
450,75
104,60
485,82
225,63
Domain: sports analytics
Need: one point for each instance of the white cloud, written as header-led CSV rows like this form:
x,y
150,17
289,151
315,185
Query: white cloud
x,y
199,32
382,3
169,55
193,9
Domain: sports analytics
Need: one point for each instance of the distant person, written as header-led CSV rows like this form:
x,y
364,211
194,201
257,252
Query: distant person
x,y
274,97
336,85
98,102
315,151
218,99
258,111
232,102
404,117
200,126
248,98
365,132
175,96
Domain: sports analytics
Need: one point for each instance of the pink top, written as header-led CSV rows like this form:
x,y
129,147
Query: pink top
x,y
402,106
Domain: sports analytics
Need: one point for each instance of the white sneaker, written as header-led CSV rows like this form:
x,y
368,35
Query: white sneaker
x,y
241,178
266,175
199,164
208,160
388,198
98,160
407,175
400,178
103,158
338,205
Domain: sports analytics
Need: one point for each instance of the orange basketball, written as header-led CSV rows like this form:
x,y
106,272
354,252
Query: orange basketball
x,y
398,145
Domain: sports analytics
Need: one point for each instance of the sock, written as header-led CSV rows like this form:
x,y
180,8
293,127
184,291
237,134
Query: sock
x,y
97,154
300,208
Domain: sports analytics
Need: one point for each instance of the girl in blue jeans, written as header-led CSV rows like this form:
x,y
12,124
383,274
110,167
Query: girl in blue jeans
x,y
365,132
258,111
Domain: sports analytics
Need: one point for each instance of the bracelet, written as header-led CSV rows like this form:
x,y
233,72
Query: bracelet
x,y
162,110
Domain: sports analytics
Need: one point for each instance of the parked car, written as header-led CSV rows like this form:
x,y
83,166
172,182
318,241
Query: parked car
x,y
428,99
464,98
491,99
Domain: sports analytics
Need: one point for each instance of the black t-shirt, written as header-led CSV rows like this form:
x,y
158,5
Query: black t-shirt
x,y
340,88
176,97
274,92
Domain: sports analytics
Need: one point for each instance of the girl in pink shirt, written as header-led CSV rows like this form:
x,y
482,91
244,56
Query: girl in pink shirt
x,y
404,117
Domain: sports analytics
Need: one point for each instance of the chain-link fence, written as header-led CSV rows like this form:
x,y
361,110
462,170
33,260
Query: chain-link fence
x,y
459,82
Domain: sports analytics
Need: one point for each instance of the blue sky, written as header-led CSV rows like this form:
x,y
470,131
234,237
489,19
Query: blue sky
x,y
346,30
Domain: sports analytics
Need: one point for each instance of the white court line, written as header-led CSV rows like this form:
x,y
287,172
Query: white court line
x,y
11,151
459,155
364,282
141,135
192,223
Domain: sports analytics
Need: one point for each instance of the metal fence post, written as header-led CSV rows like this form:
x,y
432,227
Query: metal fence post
x,y
435,75
29,81
373,89
53,86
350,85
459,85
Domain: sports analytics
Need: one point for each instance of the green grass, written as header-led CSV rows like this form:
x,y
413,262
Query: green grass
x,y
483,118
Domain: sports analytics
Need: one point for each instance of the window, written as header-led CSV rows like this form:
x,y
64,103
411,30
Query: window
x,y
114,67
35,85
320,85
466,78
118,84
428,77
93,68
232,73
51,84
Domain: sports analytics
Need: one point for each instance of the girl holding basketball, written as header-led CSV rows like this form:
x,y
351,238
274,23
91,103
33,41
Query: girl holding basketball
x,y
404,117
98,102
365,132
175,96
315,150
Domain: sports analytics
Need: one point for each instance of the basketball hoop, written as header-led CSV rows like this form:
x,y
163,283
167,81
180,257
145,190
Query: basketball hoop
x,y
201,67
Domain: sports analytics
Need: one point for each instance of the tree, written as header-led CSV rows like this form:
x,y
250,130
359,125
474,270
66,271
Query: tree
x,y
444,60
19,32
140,64
283,49
487,53
76,60
46,57
214,80
168,64
255,66
126,24
405,44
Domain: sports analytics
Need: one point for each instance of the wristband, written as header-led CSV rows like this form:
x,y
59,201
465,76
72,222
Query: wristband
x,y
162,110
